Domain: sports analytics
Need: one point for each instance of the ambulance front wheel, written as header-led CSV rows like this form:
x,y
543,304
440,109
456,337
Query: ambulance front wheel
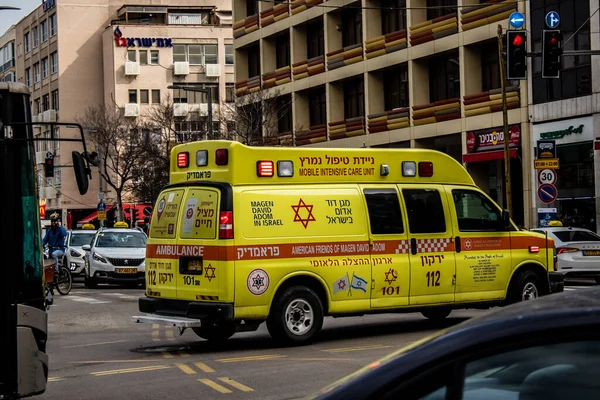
x,y
437,314
296,316
216,332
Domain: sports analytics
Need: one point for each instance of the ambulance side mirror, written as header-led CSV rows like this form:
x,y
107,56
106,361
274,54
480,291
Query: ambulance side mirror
x,y
505,219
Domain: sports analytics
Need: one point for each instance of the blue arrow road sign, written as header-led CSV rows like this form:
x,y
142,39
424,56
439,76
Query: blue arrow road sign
x,y
547,193
516,20
102,206
552,19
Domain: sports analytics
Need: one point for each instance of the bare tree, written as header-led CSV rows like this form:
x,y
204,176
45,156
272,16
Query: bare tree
x,y
115,137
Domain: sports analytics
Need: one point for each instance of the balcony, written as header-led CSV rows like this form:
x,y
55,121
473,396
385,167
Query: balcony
x,y
490,101
244,87
315,134
389,120
386,44
301,5
272,15
474,17
347,128
310,67
245,26
433,29
278,77
439,111
181,109
346,56
282,139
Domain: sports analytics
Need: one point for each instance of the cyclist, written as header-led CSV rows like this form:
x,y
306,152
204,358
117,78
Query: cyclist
x,y
55,240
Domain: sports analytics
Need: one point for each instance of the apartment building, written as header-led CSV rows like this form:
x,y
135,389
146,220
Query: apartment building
x,y
389,73
8,70
77,55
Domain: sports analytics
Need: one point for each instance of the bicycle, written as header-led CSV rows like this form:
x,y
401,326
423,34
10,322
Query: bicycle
x,y
63,282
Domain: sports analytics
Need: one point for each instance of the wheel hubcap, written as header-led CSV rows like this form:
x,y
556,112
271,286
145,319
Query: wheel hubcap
x,y
299,317
530,292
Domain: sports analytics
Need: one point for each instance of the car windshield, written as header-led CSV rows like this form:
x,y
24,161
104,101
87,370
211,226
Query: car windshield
x,y
121,239
80,239
576,236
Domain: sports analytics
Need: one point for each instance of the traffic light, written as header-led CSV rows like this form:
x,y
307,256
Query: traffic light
x,y
551,53
134,216
516,54
49,165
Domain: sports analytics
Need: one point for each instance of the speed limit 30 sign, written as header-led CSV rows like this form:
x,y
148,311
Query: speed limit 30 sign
x,y
547,177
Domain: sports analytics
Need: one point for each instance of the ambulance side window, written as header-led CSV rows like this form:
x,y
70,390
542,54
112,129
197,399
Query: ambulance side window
x,y
475,212
425,211
384,211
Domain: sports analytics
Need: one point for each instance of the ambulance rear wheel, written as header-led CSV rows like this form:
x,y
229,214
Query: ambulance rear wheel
x,y
218,332
296,316
436,314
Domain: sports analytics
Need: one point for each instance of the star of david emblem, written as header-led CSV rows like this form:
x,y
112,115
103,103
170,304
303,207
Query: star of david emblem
x,y
391,276
210,273
468,244
341,285
309,208
258,281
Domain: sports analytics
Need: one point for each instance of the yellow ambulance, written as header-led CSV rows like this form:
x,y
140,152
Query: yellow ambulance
x,y
244,235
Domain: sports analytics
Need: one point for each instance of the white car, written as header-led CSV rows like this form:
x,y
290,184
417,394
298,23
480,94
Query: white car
x,y
74,256
116,255
577,251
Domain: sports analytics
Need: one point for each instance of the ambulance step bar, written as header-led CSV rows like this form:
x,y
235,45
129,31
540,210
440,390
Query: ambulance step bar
x,y
179,322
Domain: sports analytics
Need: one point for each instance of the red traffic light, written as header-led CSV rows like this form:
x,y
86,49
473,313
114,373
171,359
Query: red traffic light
x,y
518,40
553,40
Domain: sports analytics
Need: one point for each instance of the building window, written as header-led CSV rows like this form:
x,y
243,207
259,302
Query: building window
x,y
144,96
439,8
54,63
351,27
37,106
576,74
53,25
154,57
133,96
444,78
211,54
490,73
155,96
45,68
195,54
131,55
57,176
315,40
395,87
393,16
179,53
28,76
46,102
229,93
354,98
282,51
55,100
44,29
253,61
317,106
36,73
196,18
36,38
27,44
228,54
143,57
284,114
251,7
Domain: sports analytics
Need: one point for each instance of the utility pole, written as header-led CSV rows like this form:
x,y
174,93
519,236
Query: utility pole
x,y
507,185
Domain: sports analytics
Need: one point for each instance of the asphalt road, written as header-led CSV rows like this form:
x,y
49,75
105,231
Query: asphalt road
x,y
97,352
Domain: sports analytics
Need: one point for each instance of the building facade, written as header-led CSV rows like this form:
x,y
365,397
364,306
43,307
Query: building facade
x,y
389,73
8,70
77,55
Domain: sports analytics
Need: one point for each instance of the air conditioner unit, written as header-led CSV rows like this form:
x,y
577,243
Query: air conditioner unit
x,y
49,116
181,68
181,109
36,118
132,68
132,110
213,70
40,157
204,109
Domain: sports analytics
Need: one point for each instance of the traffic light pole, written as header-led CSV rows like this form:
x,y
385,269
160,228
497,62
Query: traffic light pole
x,y
507,185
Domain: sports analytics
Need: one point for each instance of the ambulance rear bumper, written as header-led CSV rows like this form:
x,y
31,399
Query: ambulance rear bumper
x,y
193,310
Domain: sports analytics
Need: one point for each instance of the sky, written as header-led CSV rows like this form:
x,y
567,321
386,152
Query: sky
x,y
9,17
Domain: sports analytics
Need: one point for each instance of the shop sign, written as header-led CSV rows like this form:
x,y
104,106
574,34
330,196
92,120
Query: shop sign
x,y
121,41
545,215
562,133
42,209
546,149
492,139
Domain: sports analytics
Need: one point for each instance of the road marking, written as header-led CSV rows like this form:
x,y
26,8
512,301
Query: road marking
x,y
111,361
236,384
130,370
251,358
182,354
155,336
320,359
203,367
185,369
215,386
94,344
56,379
170,334
121,296
89,300
357,348
167,355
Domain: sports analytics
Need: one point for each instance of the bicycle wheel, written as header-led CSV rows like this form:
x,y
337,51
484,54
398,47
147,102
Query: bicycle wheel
x,y
64,281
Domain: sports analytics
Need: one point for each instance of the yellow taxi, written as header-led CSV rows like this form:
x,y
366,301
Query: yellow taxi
x,y
246,235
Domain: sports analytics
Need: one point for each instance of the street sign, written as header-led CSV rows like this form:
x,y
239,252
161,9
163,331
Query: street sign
x,y
545,215
102,206
547,193
546,149
547,176
516,20
546,163
552,19
101,215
